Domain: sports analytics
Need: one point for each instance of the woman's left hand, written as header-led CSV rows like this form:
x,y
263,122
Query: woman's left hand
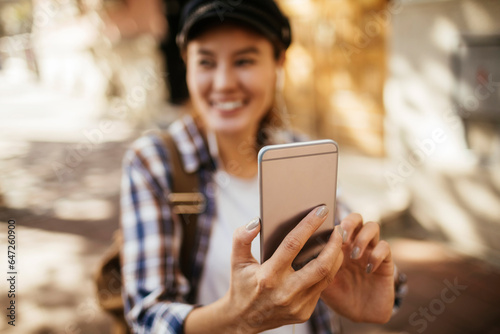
x,y
363,289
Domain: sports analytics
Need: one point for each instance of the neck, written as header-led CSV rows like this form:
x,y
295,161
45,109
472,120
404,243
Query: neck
x,y
238,154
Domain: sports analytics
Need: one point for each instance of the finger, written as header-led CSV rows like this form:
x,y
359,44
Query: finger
x,y
318,288
380,253
242,243
296,238
368,234
325,266
351,225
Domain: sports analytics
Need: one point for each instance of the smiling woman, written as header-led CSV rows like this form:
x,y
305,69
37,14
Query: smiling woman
x,y
231,74
233,56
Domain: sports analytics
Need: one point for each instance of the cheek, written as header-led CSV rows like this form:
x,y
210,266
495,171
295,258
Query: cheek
x,y
263,85
198,85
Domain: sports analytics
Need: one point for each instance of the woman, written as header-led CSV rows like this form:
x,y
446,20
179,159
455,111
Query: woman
x,y
234,52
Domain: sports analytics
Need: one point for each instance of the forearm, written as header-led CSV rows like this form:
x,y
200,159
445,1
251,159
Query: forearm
x,y
217,317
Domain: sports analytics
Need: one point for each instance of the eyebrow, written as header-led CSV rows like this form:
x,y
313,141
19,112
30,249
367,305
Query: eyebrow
x,y
250,49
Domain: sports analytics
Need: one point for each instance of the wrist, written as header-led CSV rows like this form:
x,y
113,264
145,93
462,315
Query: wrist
x,y
219,316
228,313
236,320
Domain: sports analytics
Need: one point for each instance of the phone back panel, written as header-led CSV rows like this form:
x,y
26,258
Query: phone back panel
x,y
294,179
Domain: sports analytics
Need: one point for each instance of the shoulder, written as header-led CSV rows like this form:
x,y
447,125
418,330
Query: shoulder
x,y
152,151
145,149
151,144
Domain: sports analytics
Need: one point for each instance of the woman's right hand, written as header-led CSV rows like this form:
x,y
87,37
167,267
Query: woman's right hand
x,y
273,294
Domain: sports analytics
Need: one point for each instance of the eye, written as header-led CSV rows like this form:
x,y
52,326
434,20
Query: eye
x,y
244,62
206,63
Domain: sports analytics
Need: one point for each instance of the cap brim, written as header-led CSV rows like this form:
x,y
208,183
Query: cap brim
x,y
213,16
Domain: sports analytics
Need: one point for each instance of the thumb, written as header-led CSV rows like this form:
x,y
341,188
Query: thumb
x,y
242,242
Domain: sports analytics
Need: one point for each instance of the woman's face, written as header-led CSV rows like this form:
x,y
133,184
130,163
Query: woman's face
x,y
231,76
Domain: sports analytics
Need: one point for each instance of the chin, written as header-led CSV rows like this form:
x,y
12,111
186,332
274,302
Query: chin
x,y
229,125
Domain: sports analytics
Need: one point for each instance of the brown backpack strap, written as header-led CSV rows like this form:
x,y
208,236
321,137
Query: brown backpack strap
x,y
186,198
187,201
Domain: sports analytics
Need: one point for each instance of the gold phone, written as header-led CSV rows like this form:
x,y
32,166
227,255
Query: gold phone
x,y
294,179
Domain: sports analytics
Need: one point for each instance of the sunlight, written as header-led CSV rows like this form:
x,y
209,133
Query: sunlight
x,y
85,209
480,200
299,65
445,34
419,251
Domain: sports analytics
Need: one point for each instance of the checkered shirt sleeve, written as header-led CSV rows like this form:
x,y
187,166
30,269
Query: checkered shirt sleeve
x,y
154,290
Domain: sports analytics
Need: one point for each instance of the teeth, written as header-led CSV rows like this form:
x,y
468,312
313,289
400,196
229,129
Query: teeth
x,y
228,105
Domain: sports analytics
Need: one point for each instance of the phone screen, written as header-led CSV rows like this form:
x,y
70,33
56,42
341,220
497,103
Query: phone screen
x,y
293,180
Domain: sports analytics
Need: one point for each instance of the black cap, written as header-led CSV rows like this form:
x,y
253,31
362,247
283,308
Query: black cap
x,y
263,15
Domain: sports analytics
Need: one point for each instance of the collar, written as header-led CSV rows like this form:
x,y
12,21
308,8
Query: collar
x,y
192,145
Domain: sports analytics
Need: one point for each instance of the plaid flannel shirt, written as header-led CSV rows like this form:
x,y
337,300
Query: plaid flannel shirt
x,y
155,291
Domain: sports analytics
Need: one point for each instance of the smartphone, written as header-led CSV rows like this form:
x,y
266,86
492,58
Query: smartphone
x,y
294,179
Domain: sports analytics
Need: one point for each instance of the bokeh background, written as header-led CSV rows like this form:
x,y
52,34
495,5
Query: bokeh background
x,y
410,89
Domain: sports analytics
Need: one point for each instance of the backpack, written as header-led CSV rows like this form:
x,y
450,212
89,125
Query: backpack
x,y
185,201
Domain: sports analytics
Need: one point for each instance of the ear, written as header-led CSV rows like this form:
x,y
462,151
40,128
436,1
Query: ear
x,y
281,59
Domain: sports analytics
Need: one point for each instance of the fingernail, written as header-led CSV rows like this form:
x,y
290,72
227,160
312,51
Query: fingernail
x,y
355,253
344,236
252,224
322,211
369,268
340,231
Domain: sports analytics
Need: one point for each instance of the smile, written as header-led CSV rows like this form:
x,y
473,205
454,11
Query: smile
x,y
227,106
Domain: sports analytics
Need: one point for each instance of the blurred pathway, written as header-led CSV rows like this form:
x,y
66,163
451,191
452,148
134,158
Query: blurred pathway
x,y
59,179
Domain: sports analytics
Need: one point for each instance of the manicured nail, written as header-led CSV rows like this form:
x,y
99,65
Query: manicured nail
x,y
340,231
369,268
322,211
344,236
355,253
252,224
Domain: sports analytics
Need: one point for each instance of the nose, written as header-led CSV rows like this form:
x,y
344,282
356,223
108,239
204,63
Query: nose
x,y
225,78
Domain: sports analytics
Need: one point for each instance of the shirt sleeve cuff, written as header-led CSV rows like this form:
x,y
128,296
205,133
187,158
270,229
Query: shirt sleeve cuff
x,y
172,318
400,289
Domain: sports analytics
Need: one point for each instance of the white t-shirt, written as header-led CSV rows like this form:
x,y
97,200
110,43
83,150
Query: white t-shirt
x,y
237,202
